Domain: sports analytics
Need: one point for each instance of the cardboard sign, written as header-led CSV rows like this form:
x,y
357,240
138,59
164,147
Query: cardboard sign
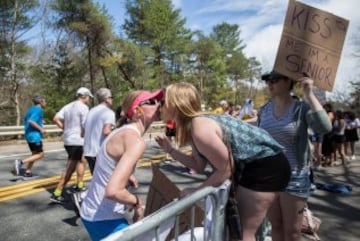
x,y
161,192
311,42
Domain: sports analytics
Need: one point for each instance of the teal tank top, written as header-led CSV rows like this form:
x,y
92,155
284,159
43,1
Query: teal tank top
x,y
248,142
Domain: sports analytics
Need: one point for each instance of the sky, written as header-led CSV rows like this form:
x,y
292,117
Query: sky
x,y
261,23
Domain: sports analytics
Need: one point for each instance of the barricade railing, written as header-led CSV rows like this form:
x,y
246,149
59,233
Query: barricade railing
x,y
19,130
152,227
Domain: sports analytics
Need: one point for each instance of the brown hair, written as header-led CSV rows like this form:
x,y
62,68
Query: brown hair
x,y
185,100
129,99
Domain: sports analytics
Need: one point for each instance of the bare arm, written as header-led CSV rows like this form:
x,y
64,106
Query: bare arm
x,y
307,87
128,153
207,136
36,126
59,122
193,161
107,128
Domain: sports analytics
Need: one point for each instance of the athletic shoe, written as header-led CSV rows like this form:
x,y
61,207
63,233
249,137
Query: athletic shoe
x,y
57,199
75,188
28,174
17,167
353,157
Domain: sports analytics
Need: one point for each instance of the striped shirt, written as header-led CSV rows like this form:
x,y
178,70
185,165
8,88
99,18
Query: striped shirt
x,y
282,129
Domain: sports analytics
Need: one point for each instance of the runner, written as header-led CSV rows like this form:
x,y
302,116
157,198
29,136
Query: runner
x,y
103,209
99,123
71,118
33,123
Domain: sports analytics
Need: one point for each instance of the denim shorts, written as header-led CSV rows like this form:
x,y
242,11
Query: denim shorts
x,y
299,184
100,229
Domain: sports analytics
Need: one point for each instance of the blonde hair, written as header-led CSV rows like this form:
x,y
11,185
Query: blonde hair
x,y
185,100
129,99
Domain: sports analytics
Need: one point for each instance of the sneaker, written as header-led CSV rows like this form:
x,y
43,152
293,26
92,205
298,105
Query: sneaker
x,y
17,167
57,199
75,188
353,157
28,174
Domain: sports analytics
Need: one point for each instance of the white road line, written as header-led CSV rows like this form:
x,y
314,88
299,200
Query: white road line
x,y
27,153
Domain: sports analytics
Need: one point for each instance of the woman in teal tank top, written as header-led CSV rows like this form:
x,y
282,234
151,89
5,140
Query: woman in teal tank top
x,y
261,169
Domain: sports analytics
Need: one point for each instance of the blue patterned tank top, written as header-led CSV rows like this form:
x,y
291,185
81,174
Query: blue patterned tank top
x,y
248,142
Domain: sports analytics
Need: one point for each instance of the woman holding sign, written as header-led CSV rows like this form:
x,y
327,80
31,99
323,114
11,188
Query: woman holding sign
x,y
287,119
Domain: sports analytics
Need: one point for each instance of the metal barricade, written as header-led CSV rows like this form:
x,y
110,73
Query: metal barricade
x,y
152,226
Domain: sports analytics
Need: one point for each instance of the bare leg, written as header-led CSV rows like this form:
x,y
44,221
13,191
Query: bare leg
x,y
32,159
65,176
286,217
253,207
80,169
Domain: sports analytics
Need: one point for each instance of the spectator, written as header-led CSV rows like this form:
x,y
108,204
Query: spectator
x,y
261,169
71,118
248,113
351,134
33,124
104,207
287,119
338,137
222,108
327,147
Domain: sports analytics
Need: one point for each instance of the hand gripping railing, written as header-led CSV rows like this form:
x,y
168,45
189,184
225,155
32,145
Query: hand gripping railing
x,y
151,225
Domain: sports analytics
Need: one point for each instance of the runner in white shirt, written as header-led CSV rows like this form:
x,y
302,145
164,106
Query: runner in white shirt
x,y
71,118
103,210
100,121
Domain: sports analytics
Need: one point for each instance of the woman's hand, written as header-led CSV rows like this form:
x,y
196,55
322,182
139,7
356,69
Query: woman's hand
x,y
306,85
138,211
133,181
164,143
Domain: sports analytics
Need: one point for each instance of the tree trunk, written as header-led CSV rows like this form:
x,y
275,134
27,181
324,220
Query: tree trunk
x,y
14,83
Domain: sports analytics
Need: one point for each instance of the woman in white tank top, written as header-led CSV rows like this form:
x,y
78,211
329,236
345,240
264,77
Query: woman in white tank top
x,y
102,211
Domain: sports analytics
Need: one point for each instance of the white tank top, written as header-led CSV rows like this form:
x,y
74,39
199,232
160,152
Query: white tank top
x,y
95,206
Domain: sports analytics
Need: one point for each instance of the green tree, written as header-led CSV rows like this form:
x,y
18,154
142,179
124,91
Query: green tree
x,y
91,26
210,68
16,18
228,36
155,24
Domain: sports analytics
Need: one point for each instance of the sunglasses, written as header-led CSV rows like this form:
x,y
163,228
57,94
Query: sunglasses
x,y
272,81
149,102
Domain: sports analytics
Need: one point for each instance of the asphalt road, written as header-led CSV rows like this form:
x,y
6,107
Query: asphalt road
x,y
27,214
25,207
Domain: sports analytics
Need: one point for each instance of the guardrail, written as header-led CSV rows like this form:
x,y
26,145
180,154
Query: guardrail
x,y
19,130
157,225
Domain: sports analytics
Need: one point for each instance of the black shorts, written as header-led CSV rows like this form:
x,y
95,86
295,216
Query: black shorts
x,y
269,174
35,147
74,152
339,139
91,161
